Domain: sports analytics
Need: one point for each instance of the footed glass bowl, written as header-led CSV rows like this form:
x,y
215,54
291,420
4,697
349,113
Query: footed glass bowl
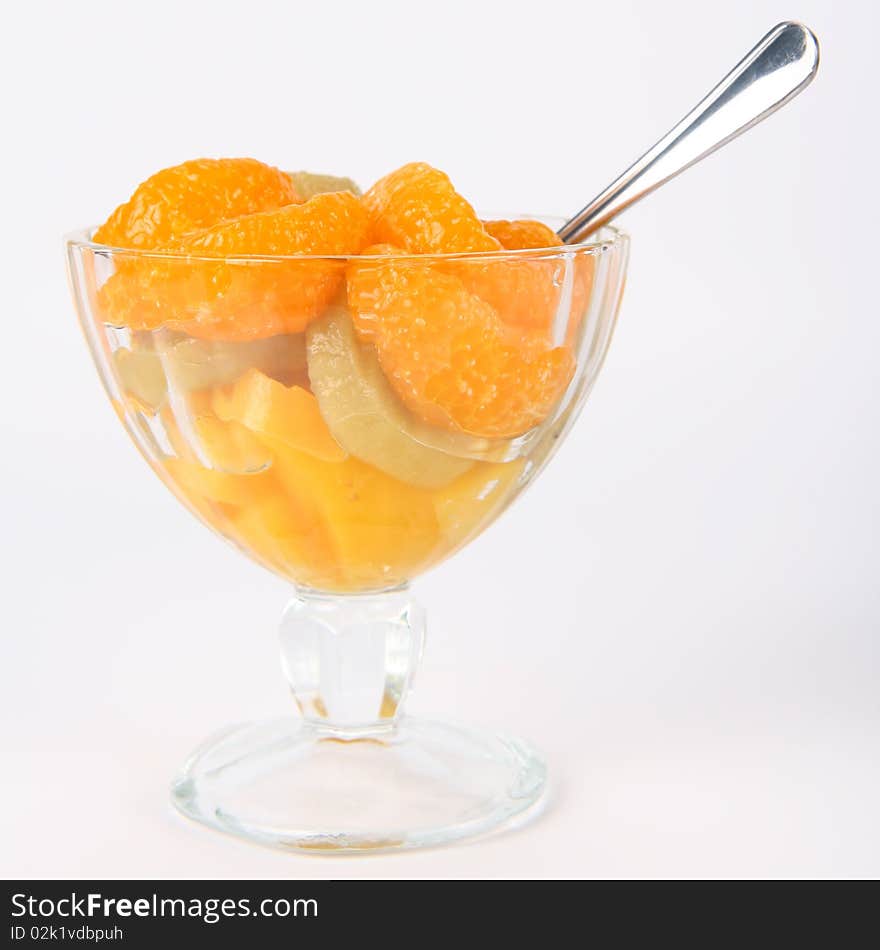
x,y
349,423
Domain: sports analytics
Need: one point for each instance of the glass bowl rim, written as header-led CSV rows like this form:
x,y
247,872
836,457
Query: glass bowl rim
x,y
605,238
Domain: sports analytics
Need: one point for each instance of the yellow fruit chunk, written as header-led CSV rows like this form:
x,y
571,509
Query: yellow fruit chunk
x,y
309,184
178,423
289,538
285,414
229,446
382,530
466,506
196,481
365,415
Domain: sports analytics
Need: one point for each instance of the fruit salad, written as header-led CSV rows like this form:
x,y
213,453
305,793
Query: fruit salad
x,y
349,386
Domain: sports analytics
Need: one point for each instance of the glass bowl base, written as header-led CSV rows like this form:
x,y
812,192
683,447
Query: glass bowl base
x,y
298,786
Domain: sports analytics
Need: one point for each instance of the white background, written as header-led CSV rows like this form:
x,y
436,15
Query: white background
x,y
682,613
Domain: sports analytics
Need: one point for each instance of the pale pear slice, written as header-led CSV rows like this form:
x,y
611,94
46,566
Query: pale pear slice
x,y
157,362
363,413
193,364
308,184
141,376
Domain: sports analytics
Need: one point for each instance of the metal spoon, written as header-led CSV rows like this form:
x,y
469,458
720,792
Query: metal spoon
x,y
776,70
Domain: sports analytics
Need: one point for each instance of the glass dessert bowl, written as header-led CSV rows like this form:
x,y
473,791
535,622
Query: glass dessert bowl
x,y
389,420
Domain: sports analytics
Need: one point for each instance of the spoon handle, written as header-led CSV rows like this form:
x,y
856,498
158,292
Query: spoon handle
x,y
776,70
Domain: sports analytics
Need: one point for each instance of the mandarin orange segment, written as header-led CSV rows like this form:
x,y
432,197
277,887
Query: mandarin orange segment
x,y
446,352
330,223
525,289
192,196
285,414
240,299
418,209
522,234
528,290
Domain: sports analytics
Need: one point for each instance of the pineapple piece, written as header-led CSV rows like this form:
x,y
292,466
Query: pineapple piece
x,y
196,483
382,531
286,415
289,538
467,506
